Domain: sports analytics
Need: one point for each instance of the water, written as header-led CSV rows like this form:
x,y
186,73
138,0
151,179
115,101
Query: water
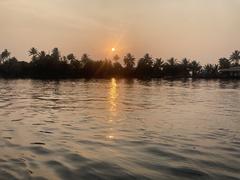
x,y
119,129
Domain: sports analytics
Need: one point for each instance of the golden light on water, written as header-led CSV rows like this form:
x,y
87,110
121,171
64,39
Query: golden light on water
x,y
113,96
113,108
110,137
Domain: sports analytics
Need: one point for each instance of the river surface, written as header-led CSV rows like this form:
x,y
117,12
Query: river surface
x,y
119,129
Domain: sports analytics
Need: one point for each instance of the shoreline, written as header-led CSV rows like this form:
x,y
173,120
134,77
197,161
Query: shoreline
x,y
119,78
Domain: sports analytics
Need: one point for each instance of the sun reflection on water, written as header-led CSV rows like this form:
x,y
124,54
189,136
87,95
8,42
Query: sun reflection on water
x,y
113,97
113,108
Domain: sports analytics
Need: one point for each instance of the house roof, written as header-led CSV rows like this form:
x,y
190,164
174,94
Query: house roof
x,y
231,69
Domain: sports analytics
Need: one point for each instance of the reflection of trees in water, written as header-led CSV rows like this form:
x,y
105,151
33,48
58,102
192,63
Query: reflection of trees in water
x,y
46,87
45,95
233,84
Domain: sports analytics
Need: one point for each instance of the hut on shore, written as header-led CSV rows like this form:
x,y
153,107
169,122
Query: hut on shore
x,y
232,72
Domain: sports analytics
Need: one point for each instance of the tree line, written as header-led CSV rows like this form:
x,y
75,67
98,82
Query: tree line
x,y
53,65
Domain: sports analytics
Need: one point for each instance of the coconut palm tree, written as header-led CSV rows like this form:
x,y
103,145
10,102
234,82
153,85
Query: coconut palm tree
x,y
158,64
5,55
33,52
85,59
185,62
158,67
185,66
195,68
129,61
56,54
211,70
235,57
42,55
146,61
172,61
145,65
71,57
224,63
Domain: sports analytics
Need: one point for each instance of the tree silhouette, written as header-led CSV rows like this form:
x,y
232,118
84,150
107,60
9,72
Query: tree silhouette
x,y
56,54
5,55
195,68
224,63
235,57
71,57
42,55
171,67
64,59
185,66
53,65
85,59
129,61
147,61
185,62
33,52
145,64
172,61
158,67
211,70
117,68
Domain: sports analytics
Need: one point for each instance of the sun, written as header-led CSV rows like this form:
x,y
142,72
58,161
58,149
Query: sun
x,y
113,49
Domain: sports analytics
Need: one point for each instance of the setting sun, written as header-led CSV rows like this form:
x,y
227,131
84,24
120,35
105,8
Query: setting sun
x,y
113,49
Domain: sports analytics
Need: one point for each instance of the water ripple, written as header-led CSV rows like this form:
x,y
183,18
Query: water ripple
x,y
119,129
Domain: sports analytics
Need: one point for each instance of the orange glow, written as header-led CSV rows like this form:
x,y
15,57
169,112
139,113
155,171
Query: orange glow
x,y
113,49
113,96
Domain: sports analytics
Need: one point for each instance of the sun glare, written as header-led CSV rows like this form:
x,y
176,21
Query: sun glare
x,y
113,49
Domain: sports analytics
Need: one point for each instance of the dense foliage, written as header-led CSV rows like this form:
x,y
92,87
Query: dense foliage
x,y
53,65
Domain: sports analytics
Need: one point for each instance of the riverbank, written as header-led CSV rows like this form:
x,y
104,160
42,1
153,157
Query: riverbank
x,y
53,65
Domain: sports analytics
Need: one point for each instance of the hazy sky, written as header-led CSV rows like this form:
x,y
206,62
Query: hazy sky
x,y
201,29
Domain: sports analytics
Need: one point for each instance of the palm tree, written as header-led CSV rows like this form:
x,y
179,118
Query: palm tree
x,y
64,59
129,61
185,62
145,65
195,68
56,54
147,60
71,57
211,70
235,57
185,66
33,52
172,61
5,55
42,55
224,63
208,68
158,65
85,59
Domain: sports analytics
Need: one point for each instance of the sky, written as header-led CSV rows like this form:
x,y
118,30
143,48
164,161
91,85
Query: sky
x,y
204,30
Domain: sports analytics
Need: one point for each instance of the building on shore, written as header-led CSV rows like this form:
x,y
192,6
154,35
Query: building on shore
x,y
233,72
